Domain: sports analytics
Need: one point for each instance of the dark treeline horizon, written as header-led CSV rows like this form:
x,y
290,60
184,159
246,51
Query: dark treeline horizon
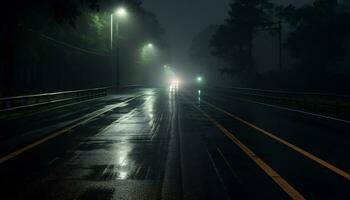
x,y
50,46
315,46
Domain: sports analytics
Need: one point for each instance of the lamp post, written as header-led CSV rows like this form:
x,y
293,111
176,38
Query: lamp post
x,y
120,12
148,53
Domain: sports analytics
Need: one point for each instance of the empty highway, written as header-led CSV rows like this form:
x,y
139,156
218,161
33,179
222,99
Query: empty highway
x,y
174,144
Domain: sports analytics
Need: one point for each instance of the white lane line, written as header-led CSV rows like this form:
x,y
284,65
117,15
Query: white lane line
x,y
282,141
294,110
61,131
218,175
53,160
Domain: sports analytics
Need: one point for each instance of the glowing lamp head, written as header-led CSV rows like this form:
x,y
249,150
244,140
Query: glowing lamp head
x,y
121,12
150,45
199,79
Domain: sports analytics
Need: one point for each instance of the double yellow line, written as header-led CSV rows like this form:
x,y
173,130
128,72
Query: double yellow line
x,y
282,183
290,145
59,132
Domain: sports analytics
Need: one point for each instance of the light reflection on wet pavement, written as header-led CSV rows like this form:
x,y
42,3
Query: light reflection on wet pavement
x,y
119,155
158,146
131,148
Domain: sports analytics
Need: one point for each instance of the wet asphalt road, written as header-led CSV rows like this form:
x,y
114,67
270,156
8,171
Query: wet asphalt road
x,y
161,144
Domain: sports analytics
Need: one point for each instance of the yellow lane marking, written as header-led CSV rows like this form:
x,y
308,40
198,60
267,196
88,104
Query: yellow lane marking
x,y
292,146
57,133
283,184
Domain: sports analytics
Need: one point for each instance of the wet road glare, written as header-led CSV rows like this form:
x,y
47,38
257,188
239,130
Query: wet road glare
x,y
174,143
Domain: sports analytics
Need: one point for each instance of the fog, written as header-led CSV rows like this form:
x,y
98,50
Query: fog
x,y
45,50
183,20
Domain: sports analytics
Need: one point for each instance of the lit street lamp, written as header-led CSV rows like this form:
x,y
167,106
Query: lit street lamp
x,y
120,12
148,51
199,79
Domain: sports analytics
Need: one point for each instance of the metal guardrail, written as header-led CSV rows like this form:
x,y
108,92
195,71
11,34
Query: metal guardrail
x,y
302,99
19,103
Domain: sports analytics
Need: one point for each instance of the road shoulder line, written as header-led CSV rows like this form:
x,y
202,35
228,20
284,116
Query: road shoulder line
x,y
59,132
282,183
292,146
294,110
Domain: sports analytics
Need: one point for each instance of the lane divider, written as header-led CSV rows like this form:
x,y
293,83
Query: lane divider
x,y
59,132
282,183
292,110
329,166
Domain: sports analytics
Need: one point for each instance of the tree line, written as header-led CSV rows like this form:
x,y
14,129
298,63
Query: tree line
x,y
316,36
36,36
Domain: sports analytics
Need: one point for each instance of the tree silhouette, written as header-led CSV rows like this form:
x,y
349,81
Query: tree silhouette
x,y
233,41
319,36
59,19
11,15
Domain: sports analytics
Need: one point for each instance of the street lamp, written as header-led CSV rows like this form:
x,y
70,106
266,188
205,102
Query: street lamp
x,y
150,45
199,79
148,51
120,12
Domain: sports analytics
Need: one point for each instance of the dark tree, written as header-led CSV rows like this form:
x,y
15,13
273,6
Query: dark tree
x,y
11,15
233,41
320,34
73,21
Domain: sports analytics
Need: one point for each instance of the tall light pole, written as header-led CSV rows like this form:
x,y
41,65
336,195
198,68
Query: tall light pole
x,y
148,51
120,12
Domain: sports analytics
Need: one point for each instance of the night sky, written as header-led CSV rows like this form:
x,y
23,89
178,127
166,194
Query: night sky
x,y
182,19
